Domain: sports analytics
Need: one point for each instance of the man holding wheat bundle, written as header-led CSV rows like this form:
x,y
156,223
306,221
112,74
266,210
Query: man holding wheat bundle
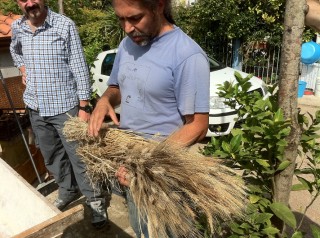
x,y
161,79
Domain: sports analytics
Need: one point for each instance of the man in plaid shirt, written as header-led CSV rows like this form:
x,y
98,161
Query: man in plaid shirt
x,y
47,50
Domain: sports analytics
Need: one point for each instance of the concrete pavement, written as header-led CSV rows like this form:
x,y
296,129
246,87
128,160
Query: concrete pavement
x,y
309,101
299,200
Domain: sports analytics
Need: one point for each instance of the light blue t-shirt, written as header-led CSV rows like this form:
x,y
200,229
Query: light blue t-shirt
x,y
161,82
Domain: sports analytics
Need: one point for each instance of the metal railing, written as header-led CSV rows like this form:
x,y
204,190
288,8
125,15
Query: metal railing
x,y
262,61
310,73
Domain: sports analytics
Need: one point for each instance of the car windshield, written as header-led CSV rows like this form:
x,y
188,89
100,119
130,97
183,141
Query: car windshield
x,y
215,65
108,61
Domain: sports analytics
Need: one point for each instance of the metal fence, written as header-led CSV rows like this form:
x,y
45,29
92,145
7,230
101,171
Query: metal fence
x,y
261,60
263,63
258,59
310,73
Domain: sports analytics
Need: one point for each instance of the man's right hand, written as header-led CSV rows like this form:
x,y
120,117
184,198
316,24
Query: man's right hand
x,y
24,74
24,78
102,109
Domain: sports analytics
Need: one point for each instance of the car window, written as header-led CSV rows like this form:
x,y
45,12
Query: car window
x,y
107,64
215,65
109,59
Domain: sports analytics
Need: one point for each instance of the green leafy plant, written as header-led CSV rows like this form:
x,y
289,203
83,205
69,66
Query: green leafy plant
x,y
256,149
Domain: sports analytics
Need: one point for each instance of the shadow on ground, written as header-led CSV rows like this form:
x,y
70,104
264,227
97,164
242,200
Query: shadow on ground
x,y
305,224
80,230
84,229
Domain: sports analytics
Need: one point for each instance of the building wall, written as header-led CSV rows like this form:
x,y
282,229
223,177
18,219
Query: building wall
x,y
6,64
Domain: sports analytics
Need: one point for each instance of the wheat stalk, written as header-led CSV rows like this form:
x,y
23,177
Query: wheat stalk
x,y
170,185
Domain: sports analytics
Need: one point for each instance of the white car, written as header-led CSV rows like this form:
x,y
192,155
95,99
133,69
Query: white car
x,y
222,118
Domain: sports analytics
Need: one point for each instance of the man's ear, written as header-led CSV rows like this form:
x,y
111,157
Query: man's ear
x,y
161,5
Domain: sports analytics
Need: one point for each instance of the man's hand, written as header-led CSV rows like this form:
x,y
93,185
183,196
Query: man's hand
x,y
24,78
313,14
84,115
102,109
24,74
123,176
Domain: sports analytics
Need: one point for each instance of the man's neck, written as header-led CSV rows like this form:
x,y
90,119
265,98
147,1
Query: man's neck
x,y
165,26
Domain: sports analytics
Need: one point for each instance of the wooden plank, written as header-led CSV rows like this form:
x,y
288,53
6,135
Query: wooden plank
x,y
55,226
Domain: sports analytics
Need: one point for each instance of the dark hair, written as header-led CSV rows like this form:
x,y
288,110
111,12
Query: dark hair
x,y
167,12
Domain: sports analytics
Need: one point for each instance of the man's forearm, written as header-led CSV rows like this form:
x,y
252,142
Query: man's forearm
x,y
194,130
112,95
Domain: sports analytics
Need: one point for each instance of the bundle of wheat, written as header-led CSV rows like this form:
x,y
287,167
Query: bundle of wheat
x,y
170,185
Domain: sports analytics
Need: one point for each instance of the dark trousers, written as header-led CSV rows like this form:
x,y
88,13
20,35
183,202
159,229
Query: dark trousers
x,y
60,156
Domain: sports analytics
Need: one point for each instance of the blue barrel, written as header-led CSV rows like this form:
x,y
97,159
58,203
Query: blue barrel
x,y
310,52
301,88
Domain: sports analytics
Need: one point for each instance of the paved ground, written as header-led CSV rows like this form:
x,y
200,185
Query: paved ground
x,y
119,225
299,200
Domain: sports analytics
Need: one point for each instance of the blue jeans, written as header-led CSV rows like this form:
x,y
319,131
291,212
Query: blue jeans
x,y
137,223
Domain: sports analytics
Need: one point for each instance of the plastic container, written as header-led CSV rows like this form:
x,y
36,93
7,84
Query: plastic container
x,y
308,91
302,86
310,52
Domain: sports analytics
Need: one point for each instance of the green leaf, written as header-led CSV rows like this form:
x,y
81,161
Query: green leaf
x,y
270,231
303,171
254,198
268,122
299,187
315,231
236,131
263,217
305,182
278,116
256,129
282,143
245,226
236,229
221,154
297,234
263,162
234,236
260,104
235,142
285,131
283,165
226,147
284,213
263,115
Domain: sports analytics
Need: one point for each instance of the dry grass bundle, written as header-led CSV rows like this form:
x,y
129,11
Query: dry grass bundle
x,y
170,185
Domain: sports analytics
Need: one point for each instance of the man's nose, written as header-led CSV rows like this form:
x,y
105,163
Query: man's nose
x,y
30,3
128,27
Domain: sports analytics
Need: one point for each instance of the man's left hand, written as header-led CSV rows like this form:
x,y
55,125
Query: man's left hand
x,y
123,176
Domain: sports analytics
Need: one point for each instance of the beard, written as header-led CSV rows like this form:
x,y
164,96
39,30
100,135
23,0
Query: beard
x,y
33,11
141,39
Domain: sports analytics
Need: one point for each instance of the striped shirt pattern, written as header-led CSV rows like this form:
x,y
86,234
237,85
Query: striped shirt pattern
x,y
57,73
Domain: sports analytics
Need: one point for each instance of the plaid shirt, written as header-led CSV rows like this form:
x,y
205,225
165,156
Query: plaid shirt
x,y
57,73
